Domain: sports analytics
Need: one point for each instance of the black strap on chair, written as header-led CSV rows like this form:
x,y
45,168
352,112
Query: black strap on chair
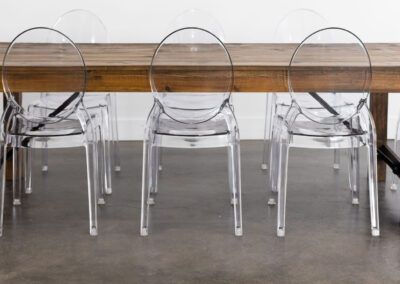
x,y
54,113
384,152
325,105
390,158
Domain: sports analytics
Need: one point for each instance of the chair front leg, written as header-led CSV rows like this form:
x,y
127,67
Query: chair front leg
x,y
268,116
28,170
45,159
282,189
106,156
336,159
373,189
372,174
146,184
354,174
17,175
230,175
275,157
92,157
113,123
235,183
373,185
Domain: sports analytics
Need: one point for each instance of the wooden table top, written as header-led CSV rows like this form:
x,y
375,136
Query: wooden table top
x,y
257,67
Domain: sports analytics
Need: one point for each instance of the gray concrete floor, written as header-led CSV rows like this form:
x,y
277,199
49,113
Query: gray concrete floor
x,y
191,237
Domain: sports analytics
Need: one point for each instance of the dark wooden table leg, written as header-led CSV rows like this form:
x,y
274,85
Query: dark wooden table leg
x,y
379,110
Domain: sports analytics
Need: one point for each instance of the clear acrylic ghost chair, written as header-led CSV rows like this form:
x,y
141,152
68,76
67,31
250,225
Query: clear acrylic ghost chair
x,y
200,19
70,125
292,28
337,117
83,26
191,109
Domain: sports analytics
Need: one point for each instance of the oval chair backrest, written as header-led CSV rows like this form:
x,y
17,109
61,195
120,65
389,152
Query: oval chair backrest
x,y
199,19
82,26
31,63
298,24
191,75
330,75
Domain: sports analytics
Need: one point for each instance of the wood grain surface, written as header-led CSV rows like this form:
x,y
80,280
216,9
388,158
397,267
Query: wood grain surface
x,y
257,67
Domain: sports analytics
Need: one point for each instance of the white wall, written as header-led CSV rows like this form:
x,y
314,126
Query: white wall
x,y
243,21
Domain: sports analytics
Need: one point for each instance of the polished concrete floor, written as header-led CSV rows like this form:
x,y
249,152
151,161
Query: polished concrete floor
x,y
191,239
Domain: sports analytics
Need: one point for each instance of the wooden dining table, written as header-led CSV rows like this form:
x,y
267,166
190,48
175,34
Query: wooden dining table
x,y
258,67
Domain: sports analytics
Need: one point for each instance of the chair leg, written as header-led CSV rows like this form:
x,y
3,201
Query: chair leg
x,y
274,172
146,193
336,159
28,170
354,174
160,155
159,163
92,171
44,152
112,103
350,167
373,189
264,163
45,159
230,175
153,171
372,174
16,182
274,161
236,188
106,156
282,189
3,187
107,168
102,179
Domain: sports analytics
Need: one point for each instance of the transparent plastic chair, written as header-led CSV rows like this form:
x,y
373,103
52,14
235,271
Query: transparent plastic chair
x,y
337,117
191,113
200,19
69,125
292,28
84,27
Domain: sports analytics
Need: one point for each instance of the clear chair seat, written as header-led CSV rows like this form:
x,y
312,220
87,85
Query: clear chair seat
x,y
66,127
212,133
309,134
310,128
215,126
